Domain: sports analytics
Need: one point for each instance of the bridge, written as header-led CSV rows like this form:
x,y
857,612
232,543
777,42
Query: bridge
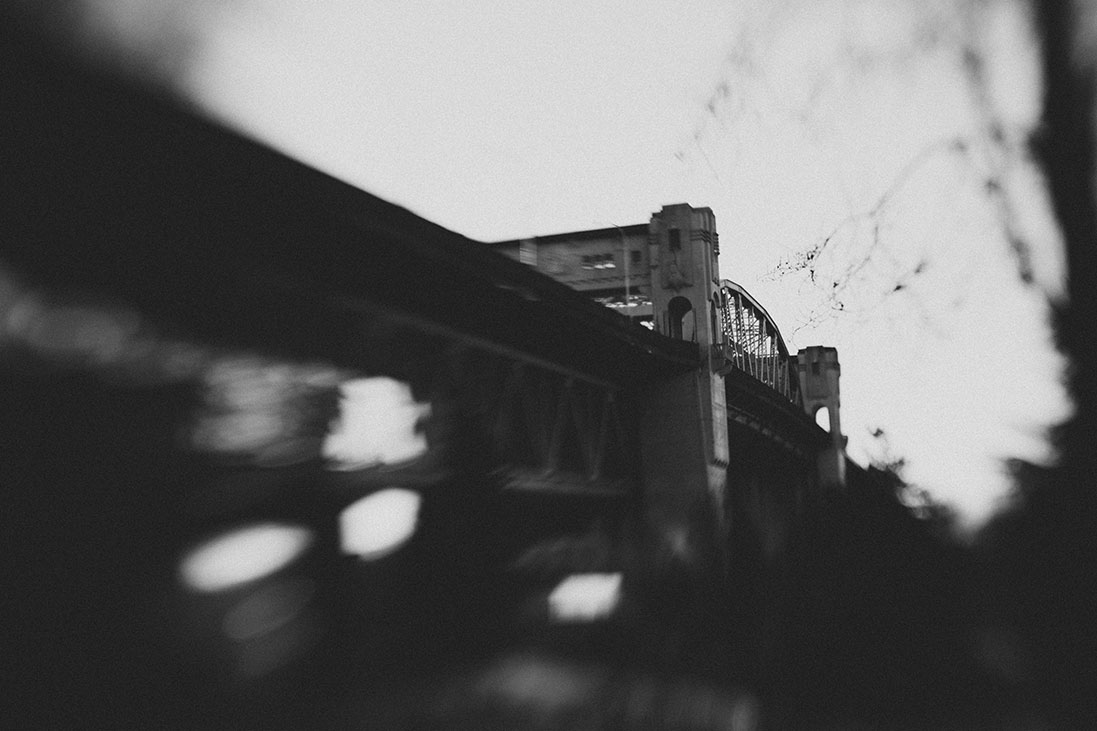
x,y
193,324
749,394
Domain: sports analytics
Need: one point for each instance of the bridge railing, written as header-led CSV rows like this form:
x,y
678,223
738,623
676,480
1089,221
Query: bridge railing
x,y
751,343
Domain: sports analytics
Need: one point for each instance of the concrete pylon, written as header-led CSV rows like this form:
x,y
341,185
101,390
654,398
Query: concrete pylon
x,y
684,432
819,371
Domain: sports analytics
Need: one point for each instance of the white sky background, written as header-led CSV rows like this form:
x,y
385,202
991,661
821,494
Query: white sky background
x,y
503,120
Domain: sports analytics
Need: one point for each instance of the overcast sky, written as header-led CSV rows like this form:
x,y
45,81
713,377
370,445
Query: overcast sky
x,y
792,121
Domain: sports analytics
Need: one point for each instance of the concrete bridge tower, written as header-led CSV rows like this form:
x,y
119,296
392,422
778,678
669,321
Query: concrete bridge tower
x,y
819,371
684,432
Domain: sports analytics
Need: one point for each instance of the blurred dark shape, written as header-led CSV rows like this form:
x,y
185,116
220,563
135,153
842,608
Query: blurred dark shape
x,y
1039,557
151,41
172,359
865,618
151,401
1038,572
267,610
531,690
262,411
74,333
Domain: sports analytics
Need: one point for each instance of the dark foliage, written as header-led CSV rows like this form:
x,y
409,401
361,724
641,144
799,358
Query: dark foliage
x,y
1039,559
868,616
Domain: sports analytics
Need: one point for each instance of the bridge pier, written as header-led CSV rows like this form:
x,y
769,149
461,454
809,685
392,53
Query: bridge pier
x,y
684,463
819,370
683,429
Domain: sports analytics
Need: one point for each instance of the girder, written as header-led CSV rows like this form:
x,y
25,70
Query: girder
x,y
752,405
558,433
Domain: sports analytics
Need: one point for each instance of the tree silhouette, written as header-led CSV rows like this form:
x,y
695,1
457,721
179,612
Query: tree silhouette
x,y
1040,555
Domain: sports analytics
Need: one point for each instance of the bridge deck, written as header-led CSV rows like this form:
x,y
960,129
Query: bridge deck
x,y
111,190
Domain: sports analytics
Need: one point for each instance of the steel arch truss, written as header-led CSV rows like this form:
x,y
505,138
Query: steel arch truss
x,y
752,344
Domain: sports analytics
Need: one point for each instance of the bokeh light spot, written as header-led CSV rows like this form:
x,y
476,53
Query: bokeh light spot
x,y
242,555
380,523
379,420
585,597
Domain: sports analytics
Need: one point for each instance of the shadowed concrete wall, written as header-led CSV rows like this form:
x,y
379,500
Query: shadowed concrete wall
x,y
681,479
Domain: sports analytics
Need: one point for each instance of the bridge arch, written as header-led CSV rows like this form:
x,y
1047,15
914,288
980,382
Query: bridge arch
x,y
751,343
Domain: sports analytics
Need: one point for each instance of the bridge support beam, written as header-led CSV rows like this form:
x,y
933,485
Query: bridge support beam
x,y
684,459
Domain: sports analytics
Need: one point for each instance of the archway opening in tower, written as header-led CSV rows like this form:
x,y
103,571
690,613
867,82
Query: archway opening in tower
x,y
679,312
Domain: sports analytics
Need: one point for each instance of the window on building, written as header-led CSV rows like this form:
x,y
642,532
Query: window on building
x,y
635,256
675,239
599,261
